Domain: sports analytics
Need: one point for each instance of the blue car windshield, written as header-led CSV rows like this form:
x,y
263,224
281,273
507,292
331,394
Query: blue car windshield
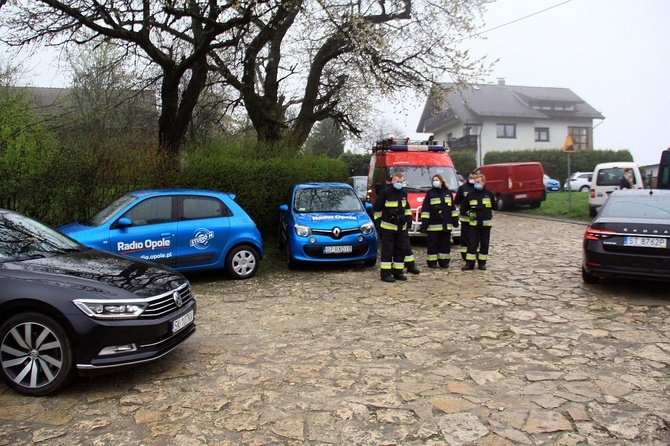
x,y
22,238
326,200
110,211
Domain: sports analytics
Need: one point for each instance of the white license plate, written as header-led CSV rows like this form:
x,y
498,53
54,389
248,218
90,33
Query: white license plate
x,y
645,242
182,322
338,249
520,196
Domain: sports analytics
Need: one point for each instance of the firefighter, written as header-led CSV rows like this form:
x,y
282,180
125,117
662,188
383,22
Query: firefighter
x,y
479,206
392,215
438,218
461,193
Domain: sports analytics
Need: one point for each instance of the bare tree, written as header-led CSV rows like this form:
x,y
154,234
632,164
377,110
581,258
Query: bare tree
x,y
292,62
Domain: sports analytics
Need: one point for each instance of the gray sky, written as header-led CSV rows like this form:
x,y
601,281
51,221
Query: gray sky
x,y
614,54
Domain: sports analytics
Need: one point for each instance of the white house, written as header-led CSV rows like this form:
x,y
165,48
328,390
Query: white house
x,y
497,117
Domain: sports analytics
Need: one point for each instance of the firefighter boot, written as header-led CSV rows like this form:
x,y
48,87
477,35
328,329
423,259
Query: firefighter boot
x,y
387,277
399,276
444,263
412,269
482,264
469,265
432,263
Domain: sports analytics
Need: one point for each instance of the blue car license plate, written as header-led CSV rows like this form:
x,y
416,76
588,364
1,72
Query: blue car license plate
x,y
344,249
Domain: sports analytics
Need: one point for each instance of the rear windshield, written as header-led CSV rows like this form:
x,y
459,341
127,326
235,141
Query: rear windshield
x,y
648,207
418,178
610,177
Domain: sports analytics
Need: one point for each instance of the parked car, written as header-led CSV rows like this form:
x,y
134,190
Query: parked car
x,y
630,237
326,222
66,308
579,181
360,185
551,185
185,229
606,177
515,184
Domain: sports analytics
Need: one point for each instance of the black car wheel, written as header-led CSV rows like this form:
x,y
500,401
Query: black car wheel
x,y
589,278
500,203
242,262
35,354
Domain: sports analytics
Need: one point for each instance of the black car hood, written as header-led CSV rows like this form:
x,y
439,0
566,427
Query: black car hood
x,y
95,271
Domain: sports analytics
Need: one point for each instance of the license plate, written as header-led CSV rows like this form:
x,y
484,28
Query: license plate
x,y
645,242
182,322
338,249
520,196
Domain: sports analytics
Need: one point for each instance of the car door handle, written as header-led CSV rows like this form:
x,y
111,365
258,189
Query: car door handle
x,y
165,234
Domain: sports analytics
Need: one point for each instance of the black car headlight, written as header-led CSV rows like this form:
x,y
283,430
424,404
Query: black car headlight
x,y
368,228
105,309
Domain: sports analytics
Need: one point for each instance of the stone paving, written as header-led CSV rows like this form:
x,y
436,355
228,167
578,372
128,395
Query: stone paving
x,y
521,354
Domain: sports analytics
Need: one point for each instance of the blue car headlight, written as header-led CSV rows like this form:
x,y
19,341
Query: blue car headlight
x,y
302,230
368,228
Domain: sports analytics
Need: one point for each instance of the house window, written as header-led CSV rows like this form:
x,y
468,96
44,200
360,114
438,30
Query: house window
x,y
506,130
581,137
541,134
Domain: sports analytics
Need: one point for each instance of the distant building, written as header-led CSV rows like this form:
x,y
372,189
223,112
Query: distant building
x,y
499,117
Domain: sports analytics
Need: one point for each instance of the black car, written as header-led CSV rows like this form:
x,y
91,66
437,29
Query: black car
x,y
66,308
630,237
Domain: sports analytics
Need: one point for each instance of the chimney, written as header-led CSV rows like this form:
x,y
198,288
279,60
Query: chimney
x,y
501,81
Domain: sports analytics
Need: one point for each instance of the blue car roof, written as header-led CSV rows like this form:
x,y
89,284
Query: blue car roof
x,y
316,184
150,192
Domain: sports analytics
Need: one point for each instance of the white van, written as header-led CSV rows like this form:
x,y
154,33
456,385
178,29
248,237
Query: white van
x,y
606,177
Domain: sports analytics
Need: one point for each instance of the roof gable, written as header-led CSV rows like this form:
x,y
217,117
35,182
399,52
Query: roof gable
x,y
469,105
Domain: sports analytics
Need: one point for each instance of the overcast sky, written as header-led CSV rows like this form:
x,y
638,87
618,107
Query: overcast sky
x,y
614,54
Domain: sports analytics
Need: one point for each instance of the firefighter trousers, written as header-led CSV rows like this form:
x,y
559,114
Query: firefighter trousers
x,y
393,252
479,238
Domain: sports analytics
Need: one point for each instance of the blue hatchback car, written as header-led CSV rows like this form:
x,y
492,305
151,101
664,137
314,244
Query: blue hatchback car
x,y
551,185
185,229
326,222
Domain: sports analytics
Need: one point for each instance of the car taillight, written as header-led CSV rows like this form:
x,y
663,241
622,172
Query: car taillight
x,y
597,234
593,193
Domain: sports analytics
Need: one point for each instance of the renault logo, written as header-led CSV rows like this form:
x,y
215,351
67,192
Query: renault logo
x,y
177,299
337,232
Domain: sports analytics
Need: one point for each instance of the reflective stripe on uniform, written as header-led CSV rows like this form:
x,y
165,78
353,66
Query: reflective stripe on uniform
x,y
472,257
389,226
386,265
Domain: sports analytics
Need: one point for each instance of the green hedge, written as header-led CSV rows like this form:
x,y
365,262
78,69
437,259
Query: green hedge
x,y
555,162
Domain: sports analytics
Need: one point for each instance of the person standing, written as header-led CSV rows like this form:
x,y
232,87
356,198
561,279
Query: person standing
x,y
461,193
438,218
392,211
628,180
479,206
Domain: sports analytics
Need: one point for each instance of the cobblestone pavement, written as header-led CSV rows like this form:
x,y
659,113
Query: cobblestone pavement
x,y
521,354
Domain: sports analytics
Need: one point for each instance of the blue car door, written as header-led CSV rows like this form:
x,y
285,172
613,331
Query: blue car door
x,y
147,231
204,224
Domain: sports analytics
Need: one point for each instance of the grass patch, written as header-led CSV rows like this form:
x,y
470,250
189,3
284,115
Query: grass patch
x,y
572,205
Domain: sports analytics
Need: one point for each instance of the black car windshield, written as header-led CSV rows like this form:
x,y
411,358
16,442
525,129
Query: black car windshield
x,y
326,200
110,211
647,207
23,238
419,177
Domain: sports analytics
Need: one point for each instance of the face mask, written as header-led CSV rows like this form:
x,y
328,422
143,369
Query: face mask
x,y
398,186
471,181
437,184
479,186
629,175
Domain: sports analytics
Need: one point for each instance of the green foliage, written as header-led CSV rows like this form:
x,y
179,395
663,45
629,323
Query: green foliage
x,y
325,139
260,185
555,162
358,164
571,205
465,161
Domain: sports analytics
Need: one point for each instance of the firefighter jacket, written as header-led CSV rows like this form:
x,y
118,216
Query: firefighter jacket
x,y
462,192
438,212
391,210
479,206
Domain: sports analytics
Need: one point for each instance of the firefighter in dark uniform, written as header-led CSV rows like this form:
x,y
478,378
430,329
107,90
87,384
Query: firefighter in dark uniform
x,y
392,215
463,218
438,218
479,206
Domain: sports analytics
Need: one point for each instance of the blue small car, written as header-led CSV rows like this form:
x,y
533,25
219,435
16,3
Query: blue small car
x,y
185,229
326,222
551,185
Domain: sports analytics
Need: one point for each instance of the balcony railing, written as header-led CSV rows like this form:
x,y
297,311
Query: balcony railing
x,y
465,143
